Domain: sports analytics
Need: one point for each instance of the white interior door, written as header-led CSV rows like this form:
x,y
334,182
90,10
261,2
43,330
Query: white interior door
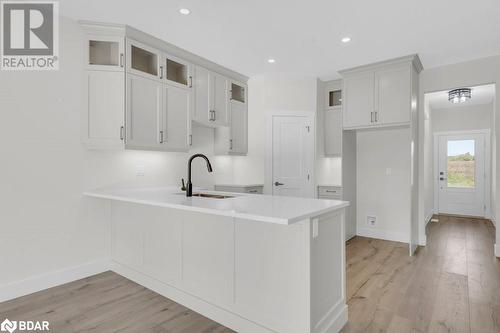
x,y
461,174
291,156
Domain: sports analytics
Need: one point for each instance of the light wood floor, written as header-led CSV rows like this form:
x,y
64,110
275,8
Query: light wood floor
x,y
452,285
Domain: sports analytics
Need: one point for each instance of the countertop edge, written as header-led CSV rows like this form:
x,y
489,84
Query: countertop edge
x,y
282,221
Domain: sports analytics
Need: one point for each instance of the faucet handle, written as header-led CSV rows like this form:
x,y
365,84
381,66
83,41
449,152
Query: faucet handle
x,y
183,188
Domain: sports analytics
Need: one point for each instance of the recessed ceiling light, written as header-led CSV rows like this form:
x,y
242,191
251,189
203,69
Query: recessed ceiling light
x,y
346,39
184,11
271,60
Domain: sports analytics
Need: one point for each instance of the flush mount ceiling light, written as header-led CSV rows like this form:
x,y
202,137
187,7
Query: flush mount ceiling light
x,y
346,39
271,60
184,11
459,95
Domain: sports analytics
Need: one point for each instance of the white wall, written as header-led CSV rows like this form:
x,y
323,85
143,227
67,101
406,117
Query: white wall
x,y
471,73
45,223
462,118
383,183
270,93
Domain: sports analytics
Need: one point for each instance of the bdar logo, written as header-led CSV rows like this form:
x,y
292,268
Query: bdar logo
x,y
8,326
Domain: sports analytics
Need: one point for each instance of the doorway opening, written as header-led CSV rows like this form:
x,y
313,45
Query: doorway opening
x,y
457,151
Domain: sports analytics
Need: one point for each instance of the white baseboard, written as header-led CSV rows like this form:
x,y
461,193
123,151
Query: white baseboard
x,y
497,251
52,279
429,217
217,314
383,234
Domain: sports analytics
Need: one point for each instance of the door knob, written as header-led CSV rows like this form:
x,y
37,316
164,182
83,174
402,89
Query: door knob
x,y
278,184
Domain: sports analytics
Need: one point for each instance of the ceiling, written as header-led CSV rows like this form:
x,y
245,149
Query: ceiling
x,y
305,36
479,95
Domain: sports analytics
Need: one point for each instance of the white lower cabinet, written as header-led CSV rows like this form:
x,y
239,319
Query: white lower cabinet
x,y
251,276
144,113
103,123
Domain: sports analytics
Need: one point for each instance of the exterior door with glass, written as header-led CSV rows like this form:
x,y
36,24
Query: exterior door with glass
x,y
461,174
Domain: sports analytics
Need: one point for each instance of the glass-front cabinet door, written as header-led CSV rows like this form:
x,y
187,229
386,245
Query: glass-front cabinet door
x,y
144,60
105,52
177,72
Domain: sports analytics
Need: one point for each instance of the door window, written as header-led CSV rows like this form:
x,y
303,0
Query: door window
x,y
461,164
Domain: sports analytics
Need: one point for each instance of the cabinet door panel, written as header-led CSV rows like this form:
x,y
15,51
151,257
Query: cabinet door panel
x,y
162,244
333,132
393,97
177,104
239,127
358,99
201,108
208,257
106,108
128,241
144,112
220,99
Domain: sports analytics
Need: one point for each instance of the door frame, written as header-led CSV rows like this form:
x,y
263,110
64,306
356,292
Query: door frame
x,y
311,158
487,166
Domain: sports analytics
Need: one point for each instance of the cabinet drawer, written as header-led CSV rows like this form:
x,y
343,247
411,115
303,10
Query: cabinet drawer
x,y
330,191
255,190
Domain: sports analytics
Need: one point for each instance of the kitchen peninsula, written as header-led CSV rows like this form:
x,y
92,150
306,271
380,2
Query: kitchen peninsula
x,y
254,263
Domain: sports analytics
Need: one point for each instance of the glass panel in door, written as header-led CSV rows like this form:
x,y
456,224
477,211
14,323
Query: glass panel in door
x,y
335,98
104,53
461,164
177,72
144,61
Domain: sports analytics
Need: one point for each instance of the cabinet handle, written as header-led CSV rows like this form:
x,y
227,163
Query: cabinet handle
x,y
190,81
121,59
252,191
231,144
371,117
122,137
161,136
330,191
376,116
161,72
190,139
214,114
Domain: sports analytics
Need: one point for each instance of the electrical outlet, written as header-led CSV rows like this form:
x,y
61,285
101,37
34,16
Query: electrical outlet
x,y
371,221
315,228
139,170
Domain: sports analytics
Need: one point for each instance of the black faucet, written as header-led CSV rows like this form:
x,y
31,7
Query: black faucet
x,y
189,188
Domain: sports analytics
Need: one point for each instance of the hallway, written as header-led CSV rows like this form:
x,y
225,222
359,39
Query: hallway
x,y
451,285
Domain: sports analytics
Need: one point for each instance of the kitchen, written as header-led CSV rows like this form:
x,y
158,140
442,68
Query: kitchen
x,y
103,184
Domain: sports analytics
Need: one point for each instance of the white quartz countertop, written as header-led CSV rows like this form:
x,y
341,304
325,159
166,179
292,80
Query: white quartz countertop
x,y
257,207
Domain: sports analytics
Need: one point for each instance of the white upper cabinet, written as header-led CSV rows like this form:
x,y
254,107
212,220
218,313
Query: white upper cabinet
x,y
379,95
176,124
359,96
233,140
143,60
211,98
143,93
103,123
105,52
144,116
393,98
333,132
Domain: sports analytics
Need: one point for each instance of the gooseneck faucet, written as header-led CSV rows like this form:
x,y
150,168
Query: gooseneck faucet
x,y
189,187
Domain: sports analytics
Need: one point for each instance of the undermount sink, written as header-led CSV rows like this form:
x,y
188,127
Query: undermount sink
x,y
213,196
209,195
